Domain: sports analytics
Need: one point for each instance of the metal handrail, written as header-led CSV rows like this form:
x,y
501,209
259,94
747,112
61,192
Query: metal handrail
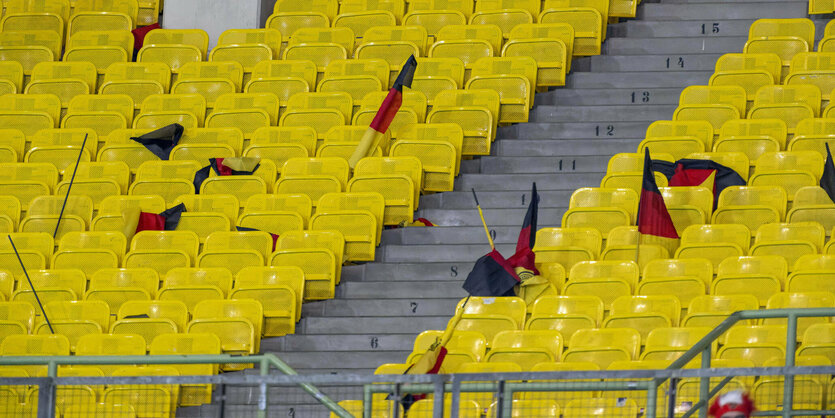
x,y
703,347
265,361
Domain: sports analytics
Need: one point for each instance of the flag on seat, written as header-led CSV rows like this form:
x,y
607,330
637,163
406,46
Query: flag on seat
x,y
430,362
524,256
492,275
388,109
705,173
134,220
274,236
653,217
236,166
828,178
161,141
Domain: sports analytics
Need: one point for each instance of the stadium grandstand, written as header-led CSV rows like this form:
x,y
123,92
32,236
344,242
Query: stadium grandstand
x,y
417,208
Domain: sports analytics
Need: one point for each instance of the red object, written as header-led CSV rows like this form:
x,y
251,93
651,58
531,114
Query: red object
x,y
653,217
139,35
222,169
438,362
394,99
150,222
524,256
735,401
425,222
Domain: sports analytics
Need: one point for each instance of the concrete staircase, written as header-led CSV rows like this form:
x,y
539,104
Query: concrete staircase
x,y
605,108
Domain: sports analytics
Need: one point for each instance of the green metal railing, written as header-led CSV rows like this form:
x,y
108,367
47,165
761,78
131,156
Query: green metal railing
x,y
265,362
703,347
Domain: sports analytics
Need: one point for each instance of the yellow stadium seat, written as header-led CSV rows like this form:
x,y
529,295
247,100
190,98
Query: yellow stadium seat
x,y
715,104
44,212
319,265
463,347
818,341
202,78
238,323
371,202
602,346
790,103
33,345
101,48
394,53
466,409
433,75
107,241
202,144
607,280
400,35
485,399
110,345
162,250
322,166
761,276
74,319
180,344
752,137
321,111
811,135
668,344
27,181
197,38
809,393
168,179
12,145
749,71
60,147
679,137
332,240
526,348
49,15
683,278
790,170
709,311
16,318
63,79
439,159
232,259
514,78
382,409
245,111
630,180
150,319
467,43
809,273
103,15
320,53
734,160
283,78
175,56
29,47
146,400
111,209
688,205
567,246
289,16
758,343
247,55
30,112
812,68
561,397
159,110
507,14
551,45
119,286
448,132
242,186
313,186
601,208
714,242
489,316
396,178
789,240
137,80
291,210
819,299
434,15
785,37
644,313
589,18
276,293
361,15
566,314
752,206
279,144
413,110
52,285
194,285
476,111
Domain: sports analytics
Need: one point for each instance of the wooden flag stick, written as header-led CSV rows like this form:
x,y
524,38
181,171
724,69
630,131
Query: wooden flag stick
x,y
67,196
483,222
25,273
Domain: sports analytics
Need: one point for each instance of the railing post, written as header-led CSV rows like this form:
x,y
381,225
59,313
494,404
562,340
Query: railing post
x,y
46,397
652,398
704,384
505,401
438,407
398,399
456,396
262,390
672,392
367,398
788,379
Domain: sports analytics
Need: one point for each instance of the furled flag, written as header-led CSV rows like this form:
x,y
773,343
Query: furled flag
x,y
524,256
492,275
653,217
388,109
236,166
828,177
705,173
274,236
162,140
134,220
430,362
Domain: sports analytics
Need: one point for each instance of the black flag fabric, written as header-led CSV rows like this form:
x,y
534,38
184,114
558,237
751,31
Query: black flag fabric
x,y
242,166
705,173
163,221
492,275
828,177
274,236
162,140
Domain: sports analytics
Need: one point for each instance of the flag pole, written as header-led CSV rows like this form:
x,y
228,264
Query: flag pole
x,y
67,196
483,222
49,324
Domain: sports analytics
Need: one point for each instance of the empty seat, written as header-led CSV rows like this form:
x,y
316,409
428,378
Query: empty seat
x,y
433,75
490,316
684,278
526,348
119,286
709,311
321,111
29,47
758,343
621,245
566,314
514,78
818,341
589,18
715,104
750,71
714,242
101,48
110,217
162,250
174,47
137,80
61,148
601,208
602,346
607,280
31,345
812,135
237,322
752,137
688,205
360,15
180,344
150,319
790,103
102,15
396,178
434,15
279,290
785,37
567,246
393,44
412,110
194,285
75,319
63,79
289,16
751,206
668,344
245,111
761,276
810,272
790,241
209,79
679,137
790,170
110,345
29,112
644,313
786,300
363,203
476,111
44,212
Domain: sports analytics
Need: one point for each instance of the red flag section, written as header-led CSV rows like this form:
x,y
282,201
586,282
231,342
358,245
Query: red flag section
x,y
524,256
653,217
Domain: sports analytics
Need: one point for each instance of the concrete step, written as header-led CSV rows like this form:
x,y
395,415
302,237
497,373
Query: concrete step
x,y
413,289
399,307
610,97
343,342
574,130
373,325
441,253
560,181
639,78
531,165
551,216
624,113
707,11
393,272
676,28
493,200
675,47
347,360
659,63
519,147
454,234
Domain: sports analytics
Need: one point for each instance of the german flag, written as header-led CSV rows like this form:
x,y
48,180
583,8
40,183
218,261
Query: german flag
x,y
380,123
828,178
161,141
244,229
134,220
242,166
524,256
705,173
653,217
